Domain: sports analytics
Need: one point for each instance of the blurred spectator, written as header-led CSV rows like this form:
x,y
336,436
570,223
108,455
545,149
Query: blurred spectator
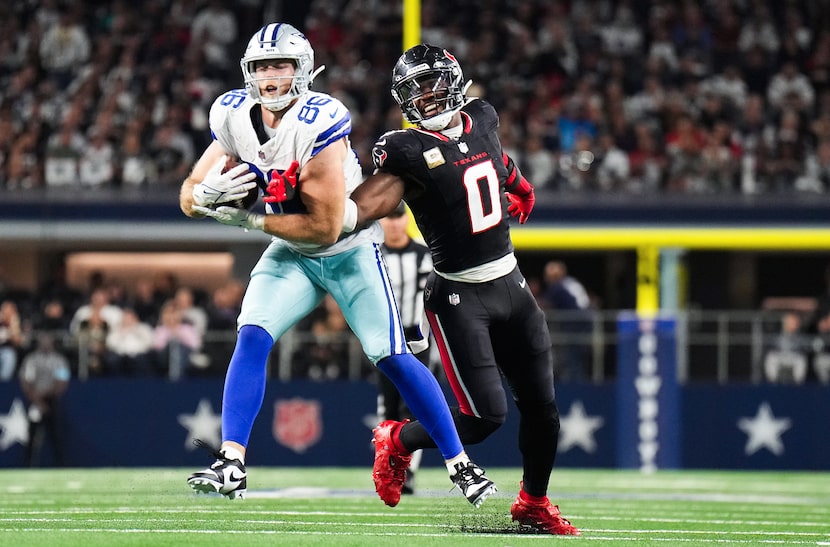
x,y
191,312
130,347
118,68
224,306
692,33
623,35
222,311
566,294
172,152
821,345
726,32
540,162
24,170
212,30
786,361
729,86
136,168
145,302
11,339
556,42
822,304
99,303
65,47
44,378
785,154
575,168
756,70
816,177
720,167
796,37
326,355
612,165
55,287
63,155
574,123
750,135
97,162
646,103
164,287
790,88
647,163
175,342
684,146
54,319
89,327
758,30
817,65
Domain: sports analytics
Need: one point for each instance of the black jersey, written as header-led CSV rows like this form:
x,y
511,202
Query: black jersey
x,y
455,188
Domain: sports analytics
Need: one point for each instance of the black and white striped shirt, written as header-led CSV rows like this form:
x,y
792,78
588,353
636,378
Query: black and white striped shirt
x,y
408,270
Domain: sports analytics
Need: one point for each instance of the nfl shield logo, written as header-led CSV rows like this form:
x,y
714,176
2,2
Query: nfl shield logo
x,y
455,299
297,423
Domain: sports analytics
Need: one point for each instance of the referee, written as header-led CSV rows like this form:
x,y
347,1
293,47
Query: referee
x,y
408,263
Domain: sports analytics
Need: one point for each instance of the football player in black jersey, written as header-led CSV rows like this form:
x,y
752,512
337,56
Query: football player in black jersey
x,y
462,190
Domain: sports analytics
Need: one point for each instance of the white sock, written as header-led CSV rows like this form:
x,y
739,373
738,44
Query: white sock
x,y
233,454
415,462
461,458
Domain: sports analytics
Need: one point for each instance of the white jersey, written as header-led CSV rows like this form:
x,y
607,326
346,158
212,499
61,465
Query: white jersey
x,y
313,122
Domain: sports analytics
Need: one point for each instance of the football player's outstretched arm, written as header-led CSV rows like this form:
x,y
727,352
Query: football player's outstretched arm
x,y
377,196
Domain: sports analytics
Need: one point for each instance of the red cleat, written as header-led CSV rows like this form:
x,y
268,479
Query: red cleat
x,y
389,471
542,518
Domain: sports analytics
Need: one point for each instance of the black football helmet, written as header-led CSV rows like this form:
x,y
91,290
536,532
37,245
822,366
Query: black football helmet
x,y
423,70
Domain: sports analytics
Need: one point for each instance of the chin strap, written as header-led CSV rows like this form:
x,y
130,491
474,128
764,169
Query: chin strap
x,y
315,72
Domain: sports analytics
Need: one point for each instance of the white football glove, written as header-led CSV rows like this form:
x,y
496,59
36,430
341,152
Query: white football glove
x,y
234,217
219,187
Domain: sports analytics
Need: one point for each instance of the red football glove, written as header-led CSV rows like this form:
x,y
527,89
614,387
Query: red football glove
x,y
282,185
521,206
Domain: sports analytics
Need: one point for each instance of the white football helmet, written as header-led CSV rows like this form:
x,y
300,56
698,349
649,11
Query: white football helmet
x,y
279,41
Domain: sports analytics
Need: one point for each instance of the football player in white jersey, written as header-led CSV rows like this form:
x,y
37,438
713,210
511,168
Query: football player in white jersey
x,y
294,144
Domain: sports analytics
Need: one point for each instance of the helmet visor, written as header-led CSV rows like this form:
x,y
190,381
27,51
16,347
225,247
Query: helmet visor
x,y
433,86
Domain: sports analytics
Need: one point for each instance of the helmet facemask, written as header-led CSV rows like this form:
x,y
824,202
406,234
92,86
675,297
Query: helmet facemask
x,y
442,97
279,42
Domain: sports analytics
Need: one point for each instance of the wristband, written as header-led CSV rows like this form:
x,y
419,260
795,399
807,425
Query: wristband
x,y
257,222
349,216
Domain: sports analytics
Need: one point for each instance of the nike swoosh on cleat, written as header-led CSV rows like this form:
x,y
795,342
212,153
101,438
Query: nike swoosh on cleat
x,y
522,283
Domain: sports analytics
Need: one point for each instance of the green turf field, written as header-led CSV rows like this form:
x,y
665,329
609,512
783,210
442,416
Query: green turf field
x,y
149,507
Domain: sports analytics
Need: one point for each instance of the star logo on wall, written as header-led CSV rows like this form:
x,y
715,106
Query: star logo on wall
x,y
764,431
204,424
14,426
576,428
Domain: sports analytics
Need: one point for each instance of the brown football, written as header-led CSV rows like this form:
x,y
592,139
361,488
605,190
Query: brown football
x,y
253,194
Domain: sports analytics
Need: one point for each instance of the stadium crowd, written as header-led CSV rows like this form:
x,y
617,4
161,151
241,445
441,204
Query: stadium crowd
x,y
636,96
659,96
